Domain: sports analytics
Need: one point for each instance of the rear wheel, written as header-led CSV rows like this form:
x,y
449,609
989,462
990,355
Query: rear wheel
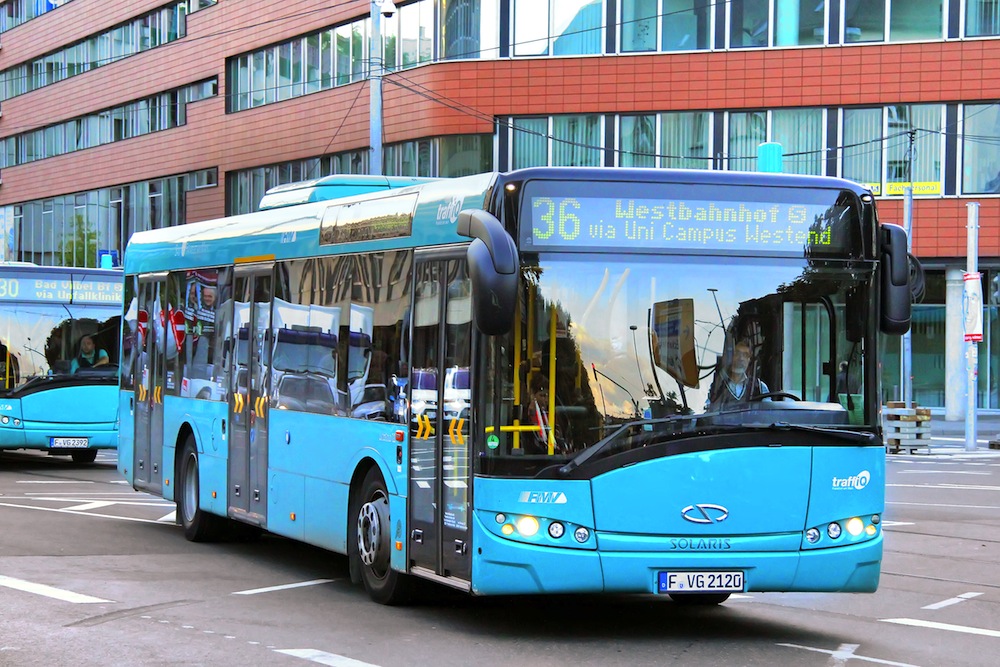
x,y
370,511
699,599
198,525
84,456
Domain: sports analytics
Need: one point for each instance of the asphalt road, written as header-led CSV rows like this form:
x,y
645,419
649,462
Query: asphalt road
x,y
93,573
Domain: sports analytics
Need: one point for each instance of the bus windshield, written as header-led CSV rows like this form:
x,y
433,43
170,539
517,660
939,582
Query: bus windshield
x,y
713,342
52,339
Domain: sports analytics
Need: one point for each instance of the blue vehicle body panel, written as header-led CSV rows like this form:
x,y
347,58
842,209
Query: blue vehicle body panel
x,y
763,489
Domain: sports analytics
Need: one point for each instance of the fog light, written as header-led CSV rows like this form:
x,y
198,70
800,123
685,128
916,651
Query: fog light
x,y
507,529
871,530
581,535
4,420
812,535
527,525
501,517
833,530
855,526
17,422
876,519
556,530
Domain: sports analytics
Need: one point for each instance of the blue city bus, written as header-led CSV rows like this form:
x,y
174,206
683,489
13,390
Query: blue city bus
x,y
661,382
51,398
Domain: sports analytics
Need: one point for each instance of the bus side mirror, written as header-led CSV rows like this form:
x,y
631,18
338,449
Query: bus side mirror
x,y
896,296
493,268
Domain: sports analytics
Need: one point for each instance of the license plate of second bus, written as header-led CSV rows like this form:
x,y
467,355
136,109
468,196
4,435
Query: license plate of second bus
x,y
69,442
701,582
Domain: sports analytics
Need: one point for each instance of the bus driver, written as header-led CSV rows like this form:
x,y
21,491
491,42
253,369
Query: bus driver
x,y
736,386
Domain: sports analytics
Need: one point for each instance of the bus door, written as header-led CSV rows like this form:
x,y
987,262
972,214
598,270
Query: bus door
x,y
440,398
150,367
249,393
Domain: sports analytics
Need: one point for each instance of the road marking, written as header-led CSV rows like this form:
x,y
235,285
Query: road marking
x,y
950,487
323,658
942,626
92,505
844,653
168,518
943,472
66,511
269,589
48,591
50,481
967,507
892,524
950,601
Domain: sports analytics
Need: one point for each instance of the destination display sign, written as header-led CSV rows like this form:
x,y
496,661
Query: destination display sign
x,y
60,290
683,224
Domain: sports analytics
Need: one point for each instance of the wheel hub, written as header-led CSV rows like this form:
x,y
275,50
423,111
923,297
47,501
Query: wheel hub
x,y
372,535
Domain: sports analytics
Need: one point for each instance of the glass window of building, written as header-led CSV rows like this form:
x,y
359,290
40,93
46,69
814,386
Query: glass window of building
x,y
914,148
413,30
529,142
469,29
799,131
558,27
908,20
982,18
678,140
760,23
980,150
665,25
802,137
15,12
862,147
577,141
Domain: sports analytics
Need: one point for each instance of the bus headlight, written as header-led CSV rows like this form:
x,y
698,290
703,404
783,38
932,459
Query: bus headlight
x,y
855,526
556,530
4,420
812,535
527,525
833,530
581,535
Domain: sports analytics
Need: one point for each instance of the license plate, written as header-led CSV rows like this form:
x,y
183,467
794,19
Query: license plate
x,y
69,442
701,582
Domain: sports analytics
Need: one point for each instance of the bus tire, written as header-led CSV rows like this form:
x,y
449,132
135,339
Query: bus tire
x,y
699,599
198,525
373,547
84,456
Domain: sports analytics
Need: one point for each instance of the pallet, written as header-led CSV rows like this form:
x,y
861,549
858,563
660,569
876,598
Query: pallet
x,y
907,428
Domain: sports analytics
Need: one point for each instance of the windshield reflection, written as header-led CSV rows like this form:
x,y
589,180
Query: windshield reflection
x,y
717,341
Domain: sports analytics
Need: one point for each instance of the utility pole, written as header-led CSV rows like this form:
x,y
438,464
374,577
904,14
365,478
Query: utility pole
x,y
375,71
906,353
973,303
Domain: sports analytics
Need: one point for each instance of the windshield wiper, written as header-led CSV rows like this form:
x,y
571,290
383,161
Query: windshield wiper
x,y
850,436
602,444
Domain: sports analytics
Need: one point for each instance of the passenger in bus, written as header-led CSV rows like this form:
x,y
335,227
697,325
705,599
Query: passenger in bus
x,y
736,385
536,412
90,355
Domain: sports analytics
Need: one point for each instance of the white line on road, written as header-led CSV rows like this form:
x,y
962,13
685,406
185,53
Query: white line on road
x,y
47,591
950,601
950,487
92,505
66,511
269,589
965,507
841,654
891,524
323,658
50,481
168,518
943,472
942,626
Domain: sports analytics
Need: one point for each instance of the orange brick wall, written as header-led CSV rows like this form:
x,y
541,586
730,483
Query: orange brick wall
x,y
337,120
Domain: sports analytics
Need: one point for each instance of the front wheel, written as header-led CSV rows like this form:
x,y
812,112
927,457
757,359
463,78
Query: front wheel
x,y
370,510
84,456
198,525
699,599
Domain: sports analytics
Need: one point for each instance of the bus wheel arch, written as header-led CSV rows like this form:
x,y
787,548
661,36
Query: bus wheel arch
x,y
369,539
